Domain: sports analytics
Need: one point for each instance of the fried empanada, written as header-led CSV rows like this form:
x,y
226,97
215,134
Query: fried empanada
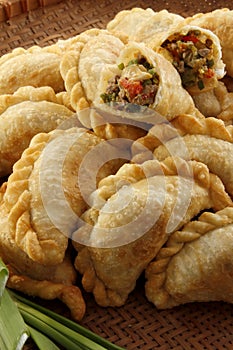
x,y
43,198
20,121
195,264
27,93
32,278
220,22
98,53
131,217
36,67
29,222
145,78
196,54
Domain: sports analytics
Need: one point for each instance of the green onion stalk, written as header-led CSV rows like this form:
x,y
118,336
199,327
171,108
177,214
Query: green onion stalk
x,y
48,329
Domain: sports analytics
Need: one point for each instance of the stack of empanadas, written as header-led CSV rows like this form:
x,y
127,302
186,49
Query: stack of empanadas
x,y
116,161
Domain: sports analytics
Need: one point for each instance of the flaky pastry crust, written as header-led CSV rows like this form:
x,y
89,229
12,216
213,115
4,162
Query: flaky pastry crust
x,y
195,264
111,273
35,66
26,113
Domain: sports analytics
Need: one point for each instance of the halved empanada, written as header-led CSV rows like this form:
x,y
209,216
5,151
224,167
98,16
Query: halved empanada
x,y
196,54
195,264
219,22
144,78
131,217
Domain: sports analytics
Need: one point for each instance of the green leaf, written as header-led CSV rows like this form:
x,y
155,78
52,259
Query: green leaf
x,y
41,340
44,327
3,277
14,331
71,329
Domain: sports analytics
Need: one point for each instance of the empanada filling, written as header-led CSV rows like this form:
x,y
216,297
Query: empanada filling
x,y
137,84
192,56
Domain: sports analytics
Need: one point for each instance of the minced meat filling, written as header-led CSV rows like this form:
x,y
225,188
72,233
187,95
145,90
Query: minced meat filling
x,y
192,56
137,84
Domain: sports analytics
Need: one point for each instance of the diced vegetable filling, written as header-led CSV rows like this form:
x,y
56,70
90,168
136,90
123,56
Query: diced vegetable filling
x,y
192,56
138,83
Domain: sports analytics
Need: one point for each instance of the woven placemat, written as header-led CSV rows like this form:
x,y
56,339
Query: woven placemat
x,y
138,324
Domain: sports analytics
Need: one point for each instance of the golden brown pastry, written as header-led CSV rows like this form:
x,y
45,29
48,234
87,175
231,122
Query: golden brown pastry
x,y
126,22
109,124
69,294
32,278
43,200
215,153
161,133
195,264
83,62
217,102
35,66
26,113
131,217
138,24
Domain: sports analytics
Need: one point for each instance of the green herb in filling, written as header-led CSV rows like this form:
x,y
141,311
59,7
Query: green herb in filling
x,y
137,84
192,57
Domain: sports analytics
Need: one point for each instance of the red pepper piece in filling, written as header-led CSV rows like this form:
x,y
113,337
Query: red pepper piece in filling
x,y
190,37
209,73
133,87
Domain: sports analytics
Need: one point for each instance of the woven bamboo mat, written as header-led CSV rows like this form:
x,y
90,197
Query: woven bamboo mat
x,y
137,325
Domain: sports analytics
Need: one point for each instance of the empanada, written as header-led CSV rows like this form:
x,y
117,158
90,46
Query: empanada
x,y
131,217
126,22
144,77
20,121
36,67
162,21
43,198
195,264
32,278
196,54
220,22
